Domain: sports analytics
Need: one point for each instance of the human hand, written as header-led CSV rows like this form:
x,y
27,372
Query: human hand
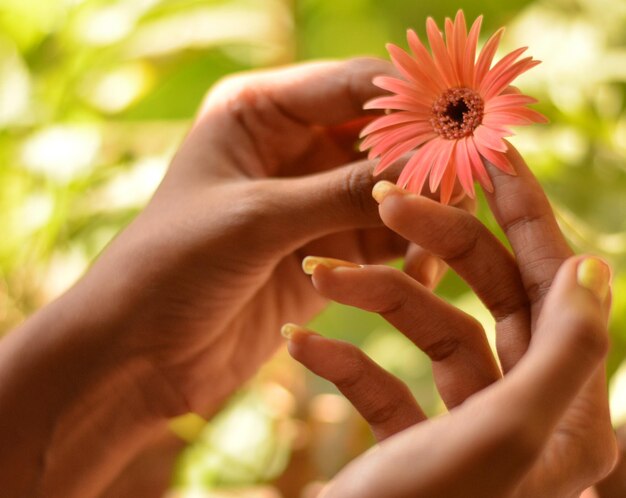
x,y
211,267
186,303
543,430
613,485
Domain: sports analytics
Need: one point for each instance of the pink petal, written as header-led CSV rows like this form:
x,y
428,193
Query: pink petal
x,y
501,66
404,62
513,117
440,54
393,119
414,69
508,76
486,57
504,101
399,150
425,61
419,164
489,138
379,143
405,88
511,90
478,167
498,159
498,126
464,167
469,59
447,183
440,163
458,43
398,102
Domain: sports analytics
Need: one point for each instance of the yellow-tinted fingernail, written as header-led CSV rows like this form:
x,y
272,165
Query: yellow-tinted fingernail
x,y
311,262
595,275
289,329
383,188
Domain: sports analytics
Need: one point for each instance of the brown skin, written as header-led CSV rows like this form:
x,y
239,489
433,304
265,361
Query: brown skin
x,y
543,428
187,302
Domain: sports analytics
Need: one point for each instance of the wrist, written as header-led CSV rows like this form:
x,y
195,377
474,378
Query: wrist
x,y
67,388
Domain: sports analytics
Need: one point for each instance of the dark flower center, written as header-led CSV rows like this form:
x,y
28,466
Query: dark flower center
x,y
457,113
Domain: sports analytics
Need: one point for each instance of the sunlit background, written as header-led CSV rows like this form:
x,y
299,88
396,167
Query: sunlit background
x,y
95,96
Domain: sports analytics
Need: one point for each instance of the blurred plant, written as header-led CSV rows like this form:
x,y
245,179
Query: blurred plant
x,y
95,95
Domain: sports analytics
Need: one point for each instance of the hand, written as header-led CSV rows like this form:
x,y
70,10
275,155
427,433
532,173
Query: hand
x,y
186,303
543,430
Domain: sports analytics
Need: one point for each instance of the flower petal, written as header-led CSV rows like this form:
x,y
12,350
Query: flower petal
x,y
518,116
500,67
440,162
508,76
464,167
393,119
489,138
440,54
379,143
509,100
486,57
395,153
397,102
410,89
469,59
447,183
425,62
478,168
498,159
418,167
458,44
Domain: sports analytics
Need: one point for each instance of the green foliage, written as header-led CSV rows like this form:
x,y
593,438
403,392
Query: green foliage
x,y
95,95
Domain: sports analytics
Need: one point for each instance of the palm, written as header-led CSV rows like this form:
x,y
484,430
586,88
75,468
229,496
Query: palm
x,y
226,296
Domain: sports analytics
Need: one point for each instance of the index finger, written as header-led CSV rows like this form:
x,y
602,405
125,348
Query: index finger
x,y
323,93
523,211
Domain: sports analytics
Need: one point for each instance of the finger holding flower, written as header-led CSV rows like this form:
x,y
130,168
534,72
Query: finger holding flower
x,y
539,428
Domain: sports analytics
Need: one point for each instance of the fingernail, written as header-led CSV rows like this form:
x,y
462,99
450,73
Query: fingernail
x,y
383,188
289,329
595,275
311,262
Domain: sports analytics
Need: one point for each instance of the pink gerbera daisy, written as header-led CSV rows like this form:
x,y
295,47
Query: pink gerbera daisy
x,y
452,107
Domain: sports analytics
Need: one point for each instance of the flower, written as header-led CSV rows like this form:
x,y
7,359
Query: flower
x,y
452,108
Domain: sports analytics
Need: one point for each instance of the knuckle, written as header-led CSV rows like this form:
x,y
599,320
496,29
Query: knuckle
x,y
521,440
589,336
355,190
384,411
465,231
352,373
541,268
523,219
442,349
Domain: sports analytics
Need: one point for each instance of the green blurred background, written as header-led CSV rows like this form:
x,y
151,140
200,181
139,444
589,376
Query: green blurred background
x,y
96,95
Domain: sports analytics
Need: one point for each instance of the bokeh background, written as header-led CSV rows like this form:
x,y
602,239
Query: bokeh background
x,y
96,95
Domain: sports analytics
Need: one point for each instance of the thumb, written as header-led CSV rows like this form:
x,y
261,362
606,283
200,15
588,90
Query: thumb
x,y
569,344
305,208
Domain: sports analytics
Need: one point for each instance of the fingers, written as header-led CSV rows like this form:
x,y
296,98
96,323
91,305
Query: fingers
x,y
423,267
614,485
323,93
473,252
570,341
311,206
462,360
383,400
490,442
524,213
